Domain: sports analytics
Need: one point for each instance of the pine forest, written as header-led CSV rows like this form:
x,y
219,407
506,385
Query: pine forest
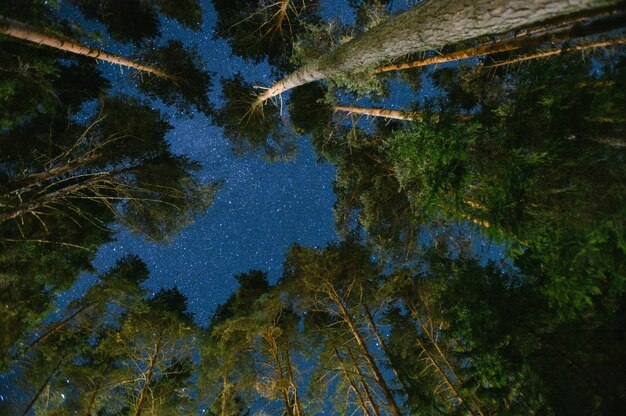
x,y
312,207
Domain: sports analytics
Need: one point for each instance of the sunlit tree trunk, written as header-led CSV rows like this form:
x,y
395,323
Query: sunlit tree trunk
x,y
343,311
353,386
430,26
19,30
394,114
366,389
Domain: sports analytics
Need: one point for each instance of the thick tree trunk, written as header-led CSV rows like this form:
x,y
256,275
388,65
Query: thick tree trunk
x,y
19,30
430,26
43,386
555,51
509,44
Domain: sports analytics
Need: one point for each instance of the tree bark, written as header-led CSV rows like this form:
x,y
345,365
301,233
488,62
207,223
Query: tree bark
x,y
430,26
509,44
148,379
354,388
19,30
366,352
366,389
43,386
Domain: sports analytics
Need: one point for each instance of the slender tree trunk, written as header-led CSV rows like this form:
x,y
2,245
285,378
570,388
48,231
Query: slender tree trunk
x,y
19,30
555,51
444,377
430,26
43,386
509,44
293,384
394,114
383,345
37,178
366,389
273,350
366,352
354,388
224,389
92,399
148,379
54,328
60,194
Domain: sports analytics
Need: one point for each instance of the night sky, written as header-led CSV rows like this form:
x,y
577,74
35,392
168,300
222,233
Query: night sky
x,y
259,212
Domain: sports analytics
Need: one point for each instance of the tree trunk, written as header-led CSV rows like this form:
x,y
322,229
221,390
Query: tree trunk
x,y
509,44
383,345
366,352
224,395
43,386
354,388
555,51
366,389
395,114
19,30
293,384
148,379
444,377
61,193
92,399
54,328
36,178
430,26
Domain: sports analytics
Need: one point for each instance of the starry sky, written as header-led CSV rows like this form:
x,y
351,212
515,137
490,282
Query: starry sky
x,y
261,209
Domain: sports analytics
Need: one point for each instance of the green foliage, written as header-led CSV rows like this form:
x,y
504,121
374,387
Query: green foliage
x,y
190,85
260,30
249,128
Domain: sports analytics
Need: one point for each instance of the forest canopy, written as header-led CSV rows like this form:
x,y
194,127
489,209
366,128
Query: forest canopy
x,y
478,258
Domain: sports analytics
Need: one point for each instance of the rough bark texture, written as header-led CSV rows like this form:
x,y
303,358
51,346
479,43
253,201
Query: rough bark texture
x,y
19,30
428,26
509,44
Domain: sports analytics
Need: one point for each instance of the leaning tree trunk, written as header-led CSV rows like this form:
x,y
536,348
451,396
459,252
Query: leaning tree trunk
x,y
427,26
555,51
367,354
43,386
509,44
353,386
19,30
394,114
57,326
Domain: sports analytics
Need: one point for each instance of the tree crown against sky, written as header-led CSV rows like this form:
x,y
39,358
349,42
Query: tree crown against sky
x,y
409,312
